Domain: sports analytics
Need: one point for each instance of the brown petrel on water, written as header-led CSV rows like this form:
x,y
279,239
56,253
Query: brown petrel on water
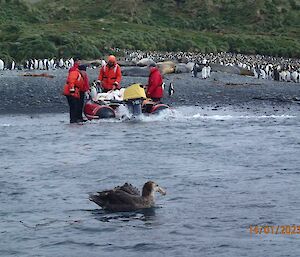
x,y
127,197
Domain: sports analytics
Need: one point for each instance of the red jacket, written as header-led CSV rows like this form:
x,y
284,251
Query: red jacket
x,y
74,83
155,82
110,75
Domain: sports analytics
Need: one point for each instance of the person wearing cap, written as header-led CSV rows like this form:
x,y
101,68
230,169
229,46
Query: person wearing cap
x,y
154,88
110,75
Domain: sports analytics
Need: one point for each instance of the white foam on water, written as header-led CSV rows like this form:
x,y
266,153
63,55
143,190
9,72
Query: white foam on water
x,y
180,114
5,125
165,114
99,121
230,117
196,113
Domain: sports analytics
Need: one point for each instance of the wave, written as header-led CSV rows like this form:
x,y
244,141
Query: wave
x,y
197,113
182,113
5,125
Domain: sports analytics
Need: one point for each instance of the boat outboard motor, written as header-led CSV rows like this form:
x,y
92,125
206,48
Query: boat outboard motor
x,y
135,106
134,96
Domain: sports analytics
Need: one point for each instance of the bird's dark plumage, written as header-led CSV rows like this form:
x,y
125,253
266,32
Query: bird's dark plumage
x,y
127,197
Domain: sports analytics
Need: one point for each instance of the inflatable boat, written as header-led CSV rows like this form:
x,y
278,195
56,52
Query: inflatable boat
x,y
107,105
96,110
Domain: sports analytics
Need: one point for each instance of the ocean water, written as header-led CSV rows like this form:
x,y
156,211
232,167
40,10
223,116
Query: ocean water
x,y
223,171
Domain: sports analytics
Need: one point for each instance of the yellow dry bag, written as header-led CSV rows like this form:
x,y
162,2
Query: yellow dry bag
x,y
135,91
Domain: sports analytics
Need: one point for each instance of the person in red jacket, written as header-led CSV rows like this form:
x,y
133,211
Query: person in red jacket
x,y
110,75
154,88
72,90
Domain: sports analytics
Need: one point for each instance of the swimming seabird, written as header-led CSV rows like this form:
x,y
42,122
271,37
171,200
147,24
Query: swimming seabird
x,y
127,197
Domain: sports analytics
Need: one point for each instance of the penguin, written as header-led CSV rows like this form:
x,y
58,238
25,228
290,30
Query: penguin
x,y
12,66
282,76
46,64
41,65
67,64
276,75
208,70
1,64
204,72
71,61
262,73
269,70
26,64
171,89
51,64
61,63
294,76
36,64
31,64
256,75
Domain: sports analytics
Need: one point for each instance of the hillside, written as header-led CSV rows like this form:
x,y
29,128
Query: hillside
x,y
40,28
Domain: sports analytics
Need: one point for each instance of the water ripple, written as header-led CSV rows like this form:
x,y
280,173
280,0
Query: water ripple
x,y
223,171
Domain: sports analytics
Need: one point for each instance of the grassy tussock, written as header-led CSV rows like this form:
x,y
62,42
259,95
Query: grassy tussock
x,y
90,28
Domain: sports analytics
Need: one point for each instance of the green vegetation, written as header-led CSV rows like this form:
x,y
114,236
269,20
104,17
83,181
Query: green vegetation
x,y
40,28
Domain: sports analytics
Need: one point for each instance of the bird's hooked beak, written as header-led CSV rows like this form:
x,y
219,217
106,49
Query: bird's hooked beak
x,y
160,190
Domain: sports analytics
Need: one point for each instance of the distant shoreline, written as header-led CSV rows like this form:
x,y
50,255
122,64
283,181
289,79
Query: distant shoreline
x,y
30,95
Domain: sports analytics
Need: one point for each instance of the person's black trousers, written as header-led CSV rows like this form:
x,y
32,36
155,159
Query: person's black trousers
x,y
74,106
81,103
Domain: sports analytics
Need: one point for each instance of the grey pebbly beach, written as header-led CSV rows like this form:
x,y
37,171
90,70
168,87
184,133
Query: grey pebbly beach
x,y
25,94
